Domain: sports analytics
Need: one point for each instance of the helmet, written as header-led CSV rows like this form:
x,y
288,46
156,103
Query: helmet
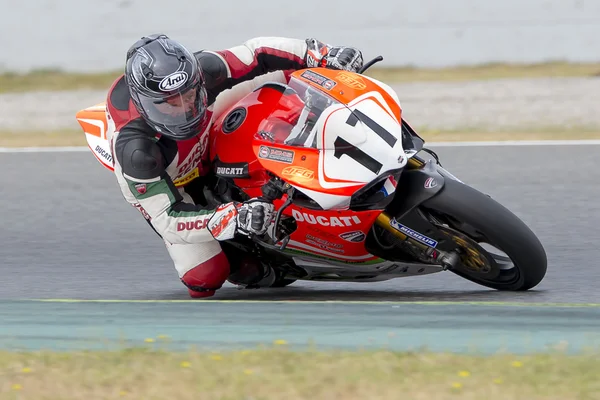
x,y
166,85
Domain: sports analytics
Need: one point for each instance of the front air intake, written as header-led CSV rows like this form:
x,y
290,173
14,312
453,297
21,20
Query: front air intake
x,y
234,120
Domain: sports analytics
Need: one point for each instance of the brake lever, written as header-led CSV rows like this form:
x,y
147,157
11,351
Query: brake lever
x,y
284,243
263,243
285,205
275,238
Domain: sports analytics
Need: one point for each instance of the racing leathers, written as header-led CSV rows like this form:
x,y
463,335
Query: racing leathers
x,y
160,176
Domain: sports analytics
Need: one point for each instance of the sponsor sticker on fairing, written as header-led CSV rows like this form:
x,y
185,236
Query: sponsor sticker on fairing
x,y
324,244
430,183
352,80
413,234
389,186
103,153
298,173
232,170
275,154
319,79
354,236
325,221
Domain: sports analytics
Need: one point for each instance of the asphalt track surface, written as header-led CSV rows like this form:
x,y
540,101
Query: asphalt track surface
x,y
67,233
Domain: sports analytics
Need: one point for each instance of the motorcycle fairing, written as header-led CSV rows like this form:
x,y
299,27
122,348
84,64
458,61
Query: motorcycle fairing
x,y
98,127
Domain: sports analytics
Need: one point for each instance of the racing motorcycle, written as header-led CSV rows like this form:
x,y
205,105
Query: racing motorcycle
x,y
358,196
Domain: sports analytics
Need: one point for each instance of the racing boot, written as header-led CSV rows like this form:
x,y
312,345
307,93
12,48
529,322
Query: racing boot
x,y
250,273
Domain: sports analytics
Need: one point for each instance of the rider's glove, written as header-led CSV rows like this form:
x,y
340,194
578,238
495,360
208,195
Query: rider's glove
x,y
319,54
253,216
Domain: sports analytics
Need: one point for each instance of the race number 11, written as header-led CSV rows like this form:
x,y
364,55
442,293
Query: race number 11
x,y
342,147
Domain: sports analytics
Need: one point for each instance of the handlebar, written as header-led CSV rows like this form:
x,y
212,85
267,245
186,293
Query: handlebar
x,y
369,64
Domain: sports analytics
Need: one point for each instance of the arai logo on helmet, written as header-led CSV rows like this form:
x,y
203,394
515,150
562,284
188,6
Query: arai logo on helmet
x,y
173,81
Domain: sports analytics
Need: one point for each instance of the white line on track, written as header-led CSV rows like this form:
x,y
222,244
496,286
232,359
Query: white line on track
x,y
42,149
427,144
516,143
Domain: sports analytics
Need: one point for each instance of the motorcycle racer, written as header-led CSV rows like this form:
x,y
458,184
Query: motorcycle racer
x,y
163,107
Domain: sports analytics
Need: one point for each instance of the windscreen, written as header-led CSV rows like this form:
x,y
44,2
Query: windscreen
x,y
304,116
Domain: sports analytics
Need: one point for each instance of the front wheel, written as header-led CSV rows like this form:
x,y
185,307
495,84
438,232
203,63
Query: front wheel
x,y
473,221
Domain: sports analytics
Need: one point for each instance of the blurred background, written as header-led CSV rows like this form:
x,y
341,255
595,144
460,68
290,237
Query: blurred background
x,y
461,68
93,36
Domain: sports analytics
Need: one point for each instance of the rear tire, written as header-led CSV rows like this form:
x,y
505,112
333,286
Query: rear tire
x,y
478,217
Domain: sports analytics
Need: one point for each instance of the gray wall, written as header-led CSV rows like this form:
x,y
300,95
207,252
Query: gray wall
x,y
86,35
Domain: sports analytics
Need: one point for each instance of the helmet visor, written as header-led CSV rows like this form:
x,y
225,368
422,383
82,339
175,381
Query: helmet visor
x,y
176,110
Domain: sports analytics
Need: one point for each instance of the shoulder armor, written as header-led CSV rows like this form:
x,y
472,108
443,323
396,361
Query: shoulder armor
x,y
140,157
119,96
213,67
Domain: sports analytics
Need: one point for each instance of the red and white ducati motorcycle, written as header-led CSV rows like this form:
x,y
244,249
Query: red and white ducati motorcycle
x,y
357,198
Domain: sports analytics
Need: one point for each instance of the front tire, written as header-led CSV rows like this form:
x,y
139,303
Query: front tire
x,y
470,217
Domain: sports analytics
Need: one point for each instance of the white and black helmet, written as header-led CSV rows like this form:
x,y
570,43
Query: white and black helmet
x,y
167,86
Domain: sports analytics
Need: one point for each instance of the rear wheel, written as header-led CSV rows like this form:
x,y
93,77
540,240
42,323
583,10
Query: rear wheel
x,y
496,249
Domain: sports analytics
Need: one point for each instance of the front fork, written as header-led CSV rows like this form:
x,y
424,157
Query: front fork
x,y
446,259
419,172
